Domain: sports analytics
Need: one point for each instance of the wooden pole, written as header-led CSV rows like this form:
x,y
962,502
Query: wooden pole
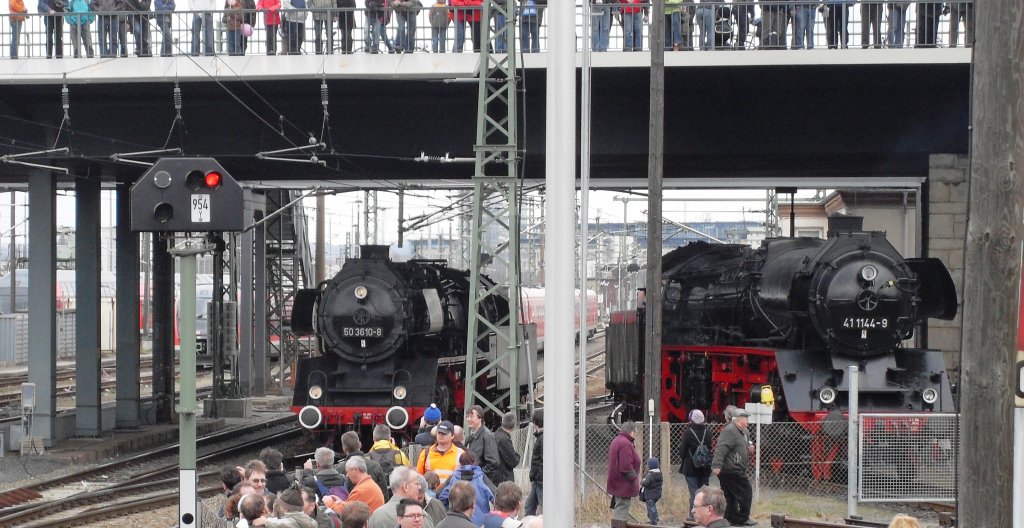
x,y
992,267
655,169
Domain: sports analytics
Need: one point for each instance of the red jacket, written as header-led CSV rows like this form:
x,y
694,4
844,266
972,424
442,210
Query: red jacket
x,y
632,9
467,15
623,467
271,13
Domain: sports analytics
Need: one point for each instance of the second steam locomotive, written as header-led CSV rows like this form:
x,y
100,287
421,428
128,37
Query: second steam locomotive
x,y
393,341
792,315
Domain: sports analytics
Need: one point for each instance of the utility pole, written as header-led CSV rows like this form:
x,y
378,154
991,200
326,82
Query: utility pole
x,y
655,167
992,269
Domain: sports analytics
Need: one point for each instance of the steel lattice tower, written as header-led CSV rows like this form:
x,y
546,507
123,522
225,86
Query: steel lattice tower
x,y
495,211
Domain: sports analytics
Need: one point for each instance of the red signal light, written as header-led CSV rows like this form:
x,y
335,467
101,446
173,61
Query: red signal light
x,y
212,179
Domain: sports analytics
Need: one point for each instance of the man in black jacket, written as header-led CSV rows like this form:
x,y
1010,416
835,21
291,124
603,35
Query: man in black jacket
x,y
506,450
140,25
536,497
481,442
732,456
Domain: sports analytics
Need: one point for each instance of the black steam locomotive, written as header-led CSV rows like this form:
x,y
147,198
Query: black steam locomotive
x,y
393,340
788,319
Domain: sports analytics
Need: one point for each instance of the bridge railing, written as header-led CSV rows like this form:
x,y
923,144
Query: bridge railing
x,y
689,26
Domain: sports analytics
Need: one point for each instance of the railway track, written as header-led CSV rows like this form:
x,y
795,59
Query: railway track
x,y
66,488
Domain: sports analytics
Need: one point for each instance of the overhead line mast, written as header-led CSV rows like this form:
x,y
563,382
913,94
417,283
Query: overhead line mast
x,y
495,227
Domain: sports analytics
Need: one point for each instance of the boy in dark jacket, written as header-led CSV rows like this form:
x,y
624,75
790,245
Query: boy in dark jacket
x,y
650,489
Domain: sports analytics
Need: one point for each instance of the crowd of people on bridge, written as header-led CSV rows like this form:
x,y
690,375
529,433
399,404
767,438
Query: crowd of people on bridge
x,y
461,478
401,26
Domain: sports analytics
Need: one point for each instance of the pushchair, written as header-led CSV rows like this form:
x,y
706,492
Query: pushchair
x,y
723,27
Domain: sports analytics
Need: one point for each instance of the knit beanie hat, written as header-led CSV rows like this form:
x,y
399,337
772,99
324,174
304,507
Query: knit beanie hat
x,y
696,416
652,463
432,414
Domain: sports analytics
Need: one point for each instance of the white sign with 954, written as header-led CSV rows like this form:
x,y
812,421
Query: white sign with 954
x,y
201,208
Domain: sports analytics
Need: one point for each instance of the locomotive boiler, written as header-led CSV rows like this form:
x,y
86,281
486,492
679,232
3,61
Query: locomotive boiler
x,y
792,315
392,338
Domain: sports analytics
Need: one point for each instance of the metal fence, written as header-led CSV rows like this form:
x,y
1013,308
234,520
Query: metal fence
x,y
908,457
706,26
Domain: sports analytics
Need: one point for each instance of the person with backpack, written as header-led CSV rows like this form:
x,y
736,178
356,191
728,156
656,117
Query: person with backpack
x,y
319,474
352,446
732,456
385,452
695,467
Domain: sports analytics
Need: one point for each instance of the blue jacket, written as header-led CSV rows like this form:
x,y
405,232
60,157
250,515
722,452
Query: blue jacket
x,y
79,13
484,494
163,5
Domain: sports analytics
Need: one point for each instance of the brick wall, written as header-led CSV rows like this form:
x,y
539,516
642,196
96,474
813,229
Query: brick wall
x,y
947,229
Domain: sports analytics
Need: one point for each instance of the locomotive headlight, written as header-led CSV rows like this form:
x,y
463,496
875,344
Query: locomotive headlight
x,y
868,273
673,294
399,392
315,392
827,395
361,292
930,395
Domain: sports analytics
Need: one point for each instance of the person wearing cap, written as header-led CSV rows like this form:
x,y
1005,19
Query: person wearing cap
x,y
650,489
442,457
732,456
288,511
695,434
623,474
431,417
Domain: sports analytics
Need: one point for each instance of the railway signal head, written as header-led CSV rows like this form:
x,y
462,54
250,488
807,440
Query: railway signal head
x,y
186,195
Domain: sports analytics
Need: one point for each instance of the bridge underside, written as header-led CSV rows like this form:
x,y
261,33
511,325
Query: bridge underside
x,y
851,121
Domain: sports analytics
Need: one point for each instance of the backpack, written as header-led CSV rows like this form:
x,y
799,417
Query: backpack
x,y
386,459
702,455
337,491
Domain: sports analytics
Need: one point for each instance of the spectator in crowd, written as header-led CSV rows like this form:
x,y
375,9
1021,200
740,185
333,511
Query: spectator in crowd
x,y
277,479
410,514
623,474
406,12
928,14
356,515
634,16
202,24
431,416
163,9
481,442
319,473
500,44
442,457
535,499
271,20
439,22
507,502
673,25
377,17
432,506
467,12
385,450
470,472
107,27
507,454
404,485
140,25
897,24
256,474
705,17
837,17
293,13
601,23
870,18
904,521
695,435
17,9
529,22
433,483
803,25
79,18
323,21
459,437
461,503
363,488
251,507
961,10
708,507
324,517
351,445
773,24
248,22
650,489
744,15
732,456
54,24
288,511
229,478
346,22
229,510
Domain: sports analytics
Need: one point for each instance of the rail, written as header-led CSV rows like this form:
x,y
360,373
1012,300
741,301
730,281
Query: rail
x,y
708,26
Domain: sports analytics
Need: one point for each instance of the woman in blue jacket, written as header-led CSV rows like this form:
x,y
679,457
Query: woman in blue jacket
x,y
79,18
469,471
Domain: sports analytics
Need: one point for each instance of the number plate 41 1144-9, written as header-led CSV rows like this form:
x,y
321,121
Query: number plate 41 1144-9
x,y
865,322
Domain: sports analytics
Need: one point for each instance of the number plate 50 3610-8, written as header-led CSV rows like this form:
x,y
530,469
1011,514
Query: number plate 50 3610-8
x,y
201,208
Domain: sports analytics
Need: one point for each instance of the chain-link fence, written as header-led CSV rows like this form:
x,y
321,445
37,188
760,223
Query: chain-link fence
x,y
908,457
